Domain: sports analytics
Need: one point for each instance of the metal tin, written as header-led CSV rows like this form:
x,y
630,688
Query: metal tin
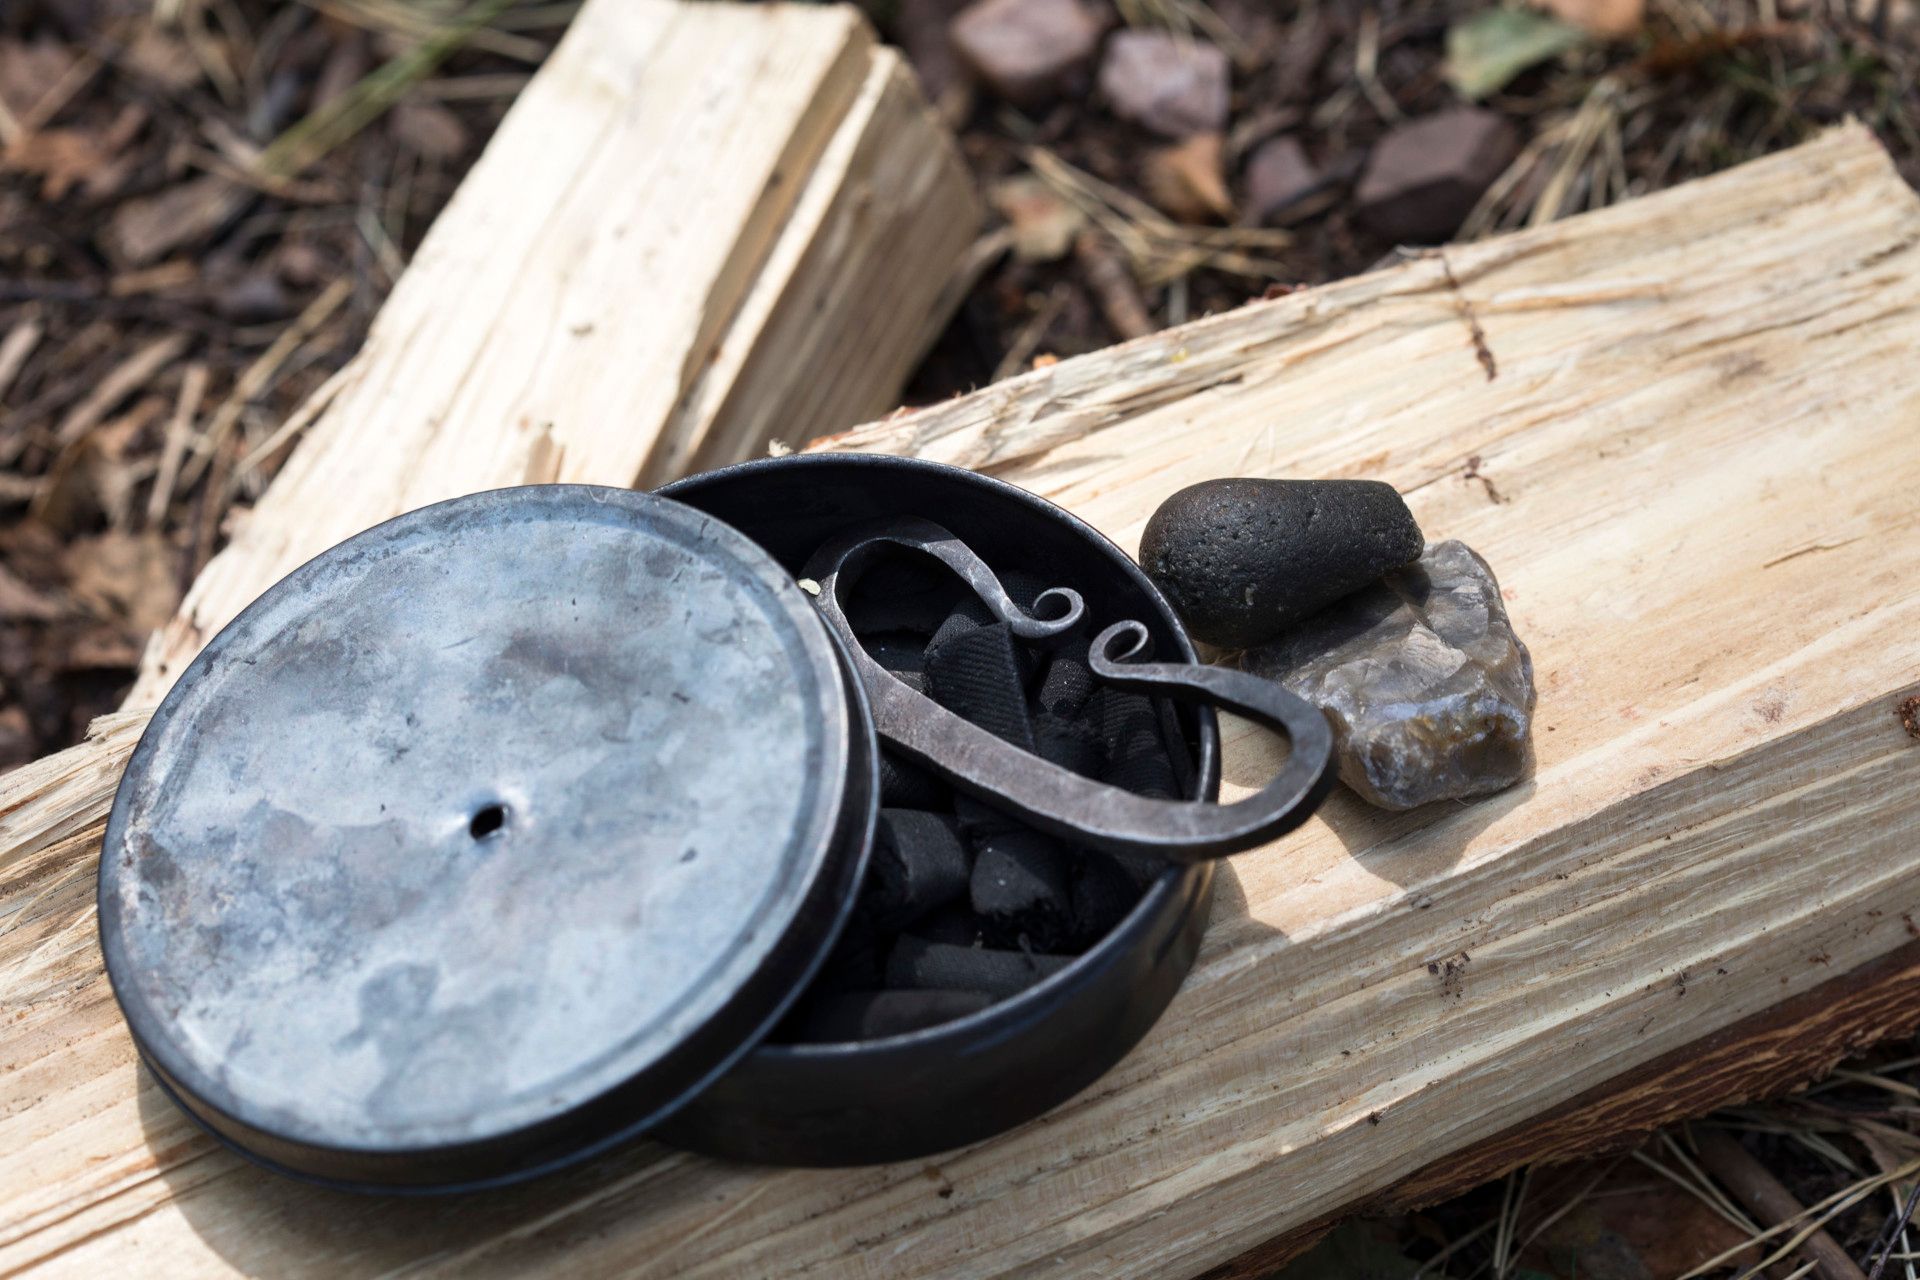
x,y
914,1095
387,894
485,839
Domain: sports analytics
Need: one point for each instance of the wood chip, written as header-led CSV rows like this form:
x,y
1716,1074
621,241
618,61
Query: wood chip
x,y
193,386
127,377
148,227
16,347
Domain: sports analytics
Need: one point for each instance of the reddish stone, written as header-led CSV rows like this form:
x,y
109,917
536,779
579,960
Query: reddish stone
x,y
1171,85
1424,178
1027,50
1279,174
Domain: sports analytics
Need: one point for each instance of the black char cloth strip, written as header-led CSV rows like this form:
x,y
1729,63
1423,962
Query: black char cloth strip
x,y
963,905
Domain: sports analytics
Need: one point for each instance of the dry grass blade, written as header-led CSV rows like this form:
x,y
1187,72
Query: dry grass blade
x,y
302,418
259,373
193,388
1820,1214
1507,1230
1160,249
17,346
1894,1233
1597,114
424,21
311,138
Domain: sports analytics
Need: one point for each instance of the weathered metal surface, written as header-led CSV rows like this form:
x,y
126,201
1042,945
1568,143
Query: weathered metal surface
x,y
503,806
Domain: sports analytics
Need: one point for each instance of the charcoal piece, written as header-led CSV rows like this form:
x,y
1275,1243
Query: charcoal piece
x,y
1022,879
980,821
919,965
919,863
905,785
1136,752
870,1015
1070,743
976,672
1104,892
902,654
1067,684
954,923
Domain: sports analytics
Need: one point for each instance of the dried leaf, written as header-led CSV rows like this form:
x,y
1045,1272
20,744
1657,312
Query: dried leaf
x,y
126,578
1633,1228
163,59
28,71
1043,222
1188,180
60,157
20,602
1491,47
431,130
1607,19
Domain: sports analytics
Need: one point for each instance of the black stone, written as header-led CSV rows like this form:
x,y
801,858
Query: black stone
x,y
1243,559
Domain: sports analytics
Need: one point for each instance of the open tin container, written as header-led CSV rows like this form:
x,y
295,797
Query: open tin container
x,y
510,828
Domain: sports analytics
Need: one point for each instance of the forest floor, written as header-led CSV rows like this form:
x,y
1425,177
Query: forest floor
x,y
204,202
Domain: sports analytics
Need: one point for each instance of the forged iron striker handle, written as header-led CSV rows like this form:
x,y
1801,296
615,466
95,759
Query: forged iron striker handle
x,y
1054,799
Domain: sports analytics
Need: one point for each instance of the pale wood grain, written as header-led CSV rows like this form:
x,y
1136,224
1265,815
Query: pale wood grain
x,y
1694,475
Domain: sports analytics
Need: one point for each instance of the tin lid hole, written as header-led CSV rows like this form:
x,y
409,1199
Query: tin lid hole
x,y
487,821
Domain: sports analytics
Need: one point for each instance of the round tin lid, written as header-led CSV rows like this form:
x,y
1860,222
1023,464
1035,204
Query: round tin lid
x,y
486,838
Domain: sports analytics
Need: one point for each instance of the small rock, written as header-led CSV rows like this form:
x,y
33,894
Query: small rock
x,y
1027,50
1423,179
1243,559
1171,85
1188,180
1280,174
1429,690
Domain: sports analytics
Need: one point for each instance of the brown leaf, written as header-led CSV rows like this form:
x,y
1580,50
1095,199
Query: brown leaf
x,y
28,71
61,158
1043,222
430,129
161,58
1608,19
1633,1227
22,603
100,648
126,578
1188,180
